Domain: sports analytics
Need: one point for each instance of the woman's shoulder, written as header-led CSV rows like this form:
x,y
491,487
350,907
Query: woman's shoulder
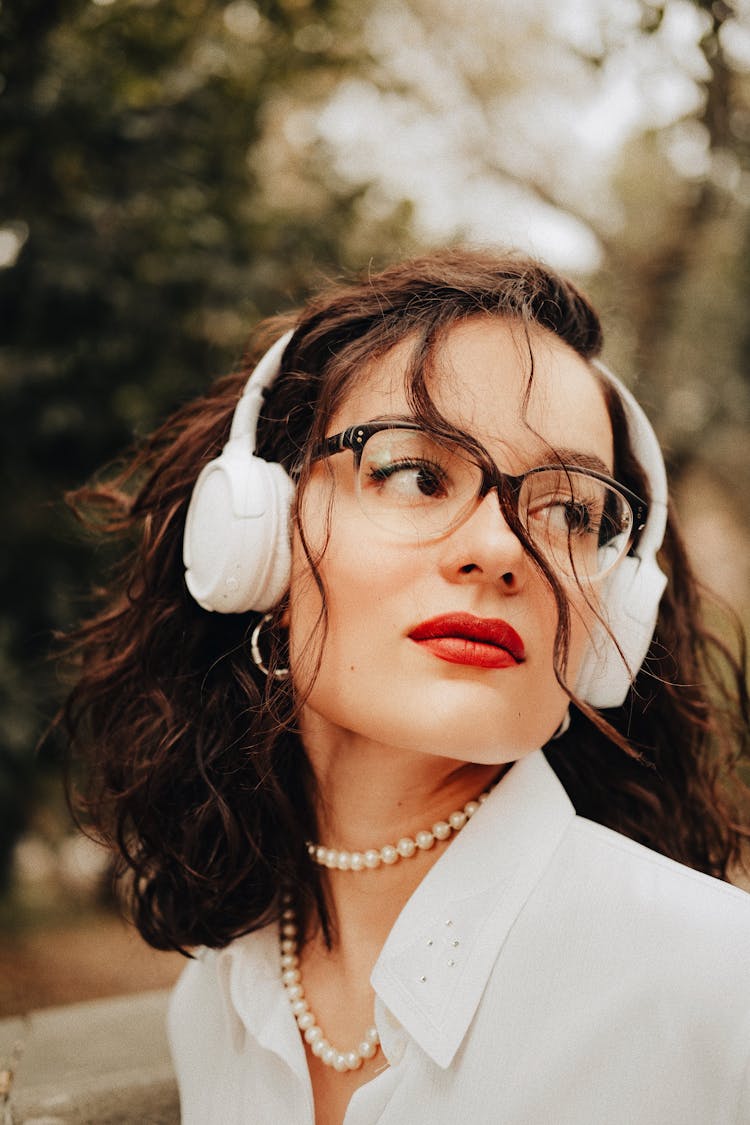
x,y
658,895
196,990
230,990
605,845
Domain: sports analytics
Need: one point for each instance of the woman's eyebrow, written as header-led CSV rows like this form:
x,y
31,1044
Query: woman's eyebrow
x,y
574,457
561,455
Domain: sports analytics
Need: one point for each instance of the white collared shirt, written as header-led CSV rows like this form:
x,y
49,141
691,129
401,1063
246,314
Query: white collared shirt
x,y
547,971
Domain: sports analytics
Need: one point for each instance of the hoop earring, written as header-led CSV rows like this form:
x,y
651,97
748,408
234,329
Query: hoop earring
x,y
279,673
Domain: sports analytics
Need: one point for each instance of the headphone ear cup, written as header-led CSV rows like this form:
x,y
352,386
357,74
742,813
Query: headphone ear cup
x,y
630,605
237,550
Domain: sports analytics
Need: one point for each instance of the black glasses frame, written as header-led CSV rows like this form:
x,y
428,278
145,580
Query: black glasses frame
x,y
356,437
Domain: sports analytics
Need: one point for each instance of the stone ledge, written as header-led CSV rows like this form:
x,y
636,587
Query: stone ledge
x,y
105,1062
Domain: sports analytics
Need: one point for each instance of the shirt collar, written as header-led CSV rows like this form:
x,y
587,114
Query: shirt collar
x,y
437,960
439,955
253,998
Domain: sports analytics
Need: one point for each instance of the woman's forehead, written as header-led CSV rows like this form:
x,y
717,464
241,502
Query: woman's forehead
x,y
510,387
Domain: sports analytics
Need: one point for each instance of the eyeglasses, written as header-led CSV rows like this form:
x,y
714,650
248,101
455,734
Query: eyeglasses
x,y
421,486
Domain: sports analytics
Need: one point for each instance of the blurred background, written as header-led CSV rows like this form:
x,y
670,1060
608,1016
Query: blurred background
x,y
172,170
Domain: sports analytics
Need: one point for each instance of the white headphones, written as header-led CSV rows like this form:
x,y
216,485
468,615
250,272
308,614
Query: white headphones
x,y
630,596
236,548
237,553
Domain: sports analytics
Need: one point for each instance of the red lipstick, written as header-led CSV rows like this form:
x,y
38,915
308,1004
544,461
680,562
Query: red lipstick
x,y
462,638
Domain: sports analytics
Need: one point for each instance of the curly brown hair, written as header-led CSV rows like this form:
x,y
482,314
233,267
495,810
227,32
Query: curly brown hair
x,y
195,773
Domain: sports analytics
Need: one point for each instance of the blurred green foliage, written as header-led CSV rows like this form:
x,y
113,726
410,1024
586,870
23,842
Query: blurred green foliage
x,y
130,153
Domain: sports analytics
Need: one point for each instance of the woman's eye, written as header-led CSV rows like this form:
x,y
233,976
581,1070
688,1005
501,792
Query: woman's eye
x,y
578,517
566,517
410,479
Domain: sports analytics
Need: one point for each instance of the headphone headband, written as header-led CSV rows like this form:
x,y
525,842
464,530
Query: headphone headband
x,y
245,417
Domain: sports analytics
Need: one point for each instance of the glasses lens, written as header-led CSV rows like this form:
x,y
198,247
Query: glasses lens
x,y
416,485
579,524
413,484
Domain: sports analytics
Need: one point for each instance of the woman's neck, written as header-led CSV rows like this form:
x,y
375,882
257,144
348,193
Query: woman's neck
x,y
369,795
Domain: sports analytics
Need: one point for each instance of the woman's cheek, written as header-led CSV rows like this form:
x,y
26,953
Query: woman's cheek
x,y
585,613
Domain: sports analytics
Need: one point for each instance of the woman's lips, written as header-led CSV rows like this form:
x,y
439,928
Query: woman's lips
x,y
461,638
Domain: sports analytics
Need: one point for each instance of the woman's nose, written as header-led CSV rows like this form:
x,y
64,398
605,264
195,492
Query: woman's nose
x,y
484,548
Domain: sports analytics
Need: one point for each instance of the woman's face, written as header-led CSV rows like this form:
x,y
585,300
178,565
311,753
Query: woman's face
x,y
382,676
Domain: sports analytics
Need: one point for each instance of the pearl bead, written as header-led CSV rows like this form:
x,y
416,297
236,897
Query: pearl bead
x,y
407,846
342,860
341,1061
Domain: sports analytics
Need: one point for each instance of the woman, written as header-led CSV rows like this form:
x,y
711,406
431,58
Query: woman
x,y
320,756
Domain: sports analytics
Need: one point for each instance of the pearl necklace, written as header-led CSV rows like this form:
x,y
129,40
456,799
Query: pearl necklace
x,y
335,858
407,846
306,1022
